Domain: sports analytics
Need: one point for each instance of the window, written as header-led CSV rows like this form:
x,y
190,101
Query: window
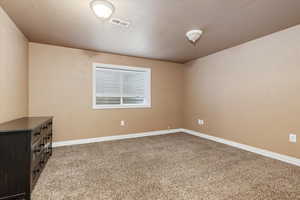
x,y
121,87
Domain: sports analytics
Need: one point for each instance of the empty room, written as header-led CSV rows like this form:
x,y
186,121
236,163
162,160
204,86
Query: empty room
x,y
149,100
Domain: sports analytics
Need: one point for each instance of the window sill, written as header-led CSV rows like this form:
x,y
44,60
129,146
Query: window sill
x,y
120,106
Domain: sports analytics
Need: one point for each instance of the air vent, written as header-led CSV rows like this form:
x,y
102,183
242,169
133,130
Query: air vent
x,y
120,22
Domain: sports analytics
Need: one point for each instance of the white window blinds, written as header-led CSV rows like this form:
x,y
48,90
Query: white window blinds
x,y
108,87
118,86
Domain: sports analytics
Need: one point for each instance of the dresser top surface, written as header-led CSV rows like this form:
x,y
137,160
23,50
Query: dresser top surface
x,y
23,124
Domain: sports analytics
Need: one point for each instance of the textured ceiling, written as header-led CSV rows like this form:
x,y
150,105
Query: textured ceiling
x,y
157,28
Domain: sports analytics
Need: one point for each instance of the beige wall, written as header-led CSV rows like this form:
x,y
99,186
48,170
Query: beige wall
x,y
13,70
60,82
249,94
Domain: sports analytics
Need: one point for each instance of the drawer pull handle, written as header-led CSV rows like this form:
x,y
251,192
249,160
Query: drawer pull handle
x,y
37,151
37,133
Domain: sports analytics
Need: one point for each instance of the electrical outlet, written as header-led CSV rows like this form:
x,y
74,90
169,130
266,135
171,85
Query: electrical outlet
x,y
293,138
200,121
122,123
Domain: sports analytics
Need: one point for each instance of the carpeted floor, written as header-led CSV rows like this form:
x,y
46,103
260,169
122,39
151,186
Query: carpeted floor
x,y
167,167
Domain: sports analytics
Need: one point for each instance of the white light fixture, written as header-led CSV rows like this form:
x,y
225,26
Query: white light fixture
x,y
102,8
194,35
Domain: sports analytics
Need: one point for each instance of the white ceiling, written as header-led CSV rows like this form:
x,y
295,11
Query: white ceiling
x,y
157,28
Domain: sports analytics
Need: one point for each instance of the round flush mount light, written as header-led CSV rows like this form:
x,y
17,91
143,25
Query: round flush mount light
x,y
194,35
102,8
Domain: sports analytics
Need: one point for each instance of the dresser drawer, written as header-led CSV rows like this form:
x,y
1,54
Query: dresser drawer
x,y
36,134
35,173
37,149
37,169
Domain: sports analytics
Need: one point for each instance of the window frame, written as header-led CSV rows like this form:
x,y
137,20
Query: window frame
x,y
147,103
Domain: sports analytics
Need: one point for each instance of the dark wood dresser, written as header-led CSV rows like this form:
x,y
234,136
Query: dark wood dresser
x,y
25,147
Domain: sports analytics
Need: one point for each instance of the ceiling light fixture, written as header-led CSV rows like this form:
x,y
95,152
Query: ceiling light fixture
x,y
194,35
102,8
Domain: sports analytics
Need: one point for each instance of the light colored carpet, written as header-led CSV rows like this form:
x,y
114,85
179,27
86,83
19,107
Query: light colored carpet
x,y
168,167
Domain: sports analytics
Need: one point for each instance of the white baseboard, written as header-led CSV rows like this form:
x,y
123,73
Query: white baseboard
x,y
270,154
116,137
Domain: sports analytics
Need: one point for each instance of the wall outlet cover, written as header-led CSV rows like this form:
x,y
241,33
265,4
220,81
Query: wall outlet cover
x,y
200,121
293,138
122,123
